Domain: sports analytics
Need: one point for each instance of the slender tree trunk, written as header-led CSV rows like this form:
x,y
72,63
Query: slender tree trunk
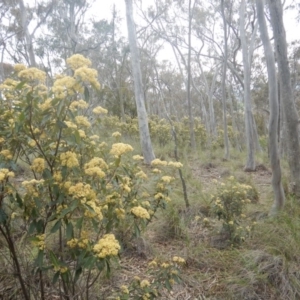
x,y
250,163
138,87
27,36
191,118
274,110
286,94
226,140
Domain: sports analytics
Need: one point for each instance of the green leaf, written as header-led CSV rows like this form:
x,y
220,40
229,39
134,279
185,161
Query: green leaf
x,y
55,277
32,227
20,85
40,226
19,200
86,94
3,216
65,277
46,174
53,259
137,230
69,209
40,258
79,223
77,274
89,262
56,226
69,231
60,124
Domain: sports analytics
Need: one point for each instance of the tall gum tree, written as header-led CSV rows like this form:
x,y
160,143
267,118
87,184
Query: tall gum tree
x,y
286,94
279,197
249,126
138,86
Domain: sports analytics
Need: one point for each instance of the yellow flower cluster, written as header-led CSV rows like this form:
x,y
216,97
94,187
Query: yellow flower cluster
x,y
46,105
158,162
137,157
6,153
124,289
167,179
31,74
31,186
60,269
71,124
64,86
144,283
40,242
82,191
87,75
119,149
72,243
83,121
78,104
140,212
94,167
141,175
107,246
99,110
178,259
77,61
120,213
69,159
97,210
5,173
175,164
116,134
38,165
19,67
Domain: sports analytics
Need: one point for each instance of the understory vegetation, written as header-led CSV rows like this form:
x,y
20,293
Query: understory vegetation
x,y
81,216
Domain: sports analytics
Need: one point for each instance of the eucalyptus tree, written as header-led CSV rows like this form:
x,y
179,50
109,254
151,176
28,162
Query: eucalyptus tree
x,y
291,117
224,71
22,25
179,36
274,110
249,126
145,140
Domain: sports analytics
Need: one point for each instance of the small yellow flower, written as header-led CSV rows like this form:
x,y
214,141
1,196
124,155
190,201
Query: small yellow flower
x,y
137,157
38,165
119,149
107,246
140,212
116,134
178,259
175,164
99,110
144,283
158,162
124,289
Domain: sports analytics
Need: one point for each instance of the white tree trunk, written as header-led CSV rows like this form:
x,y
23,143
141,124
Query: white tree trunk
x,y
250,142
286,93
226,140
138,87
274,110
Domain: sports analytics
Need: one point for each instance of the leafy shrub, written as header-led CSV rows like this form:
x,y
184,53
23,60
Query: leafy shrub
x,y
82,190
228,205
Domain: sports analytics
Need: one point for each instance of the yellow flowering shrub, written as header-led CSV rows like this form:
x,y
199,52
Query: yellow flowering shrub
x,y
160,276
80,183
228,205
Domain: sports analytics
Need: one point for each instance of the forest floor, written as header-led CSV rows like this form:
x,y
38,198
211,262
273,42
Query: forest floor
x,y
263,267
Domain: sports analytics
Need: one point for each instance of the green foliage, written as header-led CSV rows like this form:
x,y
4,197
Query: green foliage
x,y
82,190
228,205
164,275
